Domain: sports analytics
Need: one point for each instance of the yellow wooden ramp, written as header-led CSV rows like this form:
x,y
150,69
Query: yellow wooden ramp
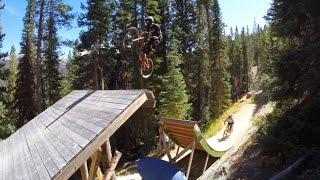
x,y
61,139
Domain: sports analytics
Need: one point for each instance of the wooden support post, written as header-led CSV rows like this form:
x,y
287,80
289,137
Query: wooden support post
x,y
178,150
206,163
190,146
84,171
107,148
95,159
168,153
191,158
112,166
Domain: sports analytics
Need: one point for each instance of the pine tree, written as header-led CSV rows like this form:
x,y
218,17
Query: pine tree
x,y
38,66
11,88
52,75
236,65
220,77
201,102
183,21
25,83
174,98
245,62
3,71
94,40
5,128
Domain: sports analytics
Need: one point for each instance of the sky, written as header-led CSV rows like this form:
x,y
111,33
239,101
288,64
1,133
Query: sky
x,y
234,13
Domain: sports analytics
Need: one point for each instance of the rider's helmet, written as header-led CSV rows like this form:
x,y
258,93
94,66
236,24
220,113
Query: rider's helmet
x,y
149,20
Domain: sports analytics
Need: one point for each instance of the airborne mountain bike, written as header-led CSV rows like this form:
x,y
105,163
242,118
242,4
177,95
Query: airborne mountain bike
x,y
136,41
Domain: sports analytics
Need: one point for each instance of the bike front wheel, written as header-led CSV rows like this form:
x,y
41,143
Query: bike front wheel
x,y
146,68
128,40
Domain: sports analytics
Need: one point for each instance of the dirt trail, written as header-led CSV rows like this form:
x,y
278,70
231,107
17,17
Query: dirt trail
x,y
241,124
244,129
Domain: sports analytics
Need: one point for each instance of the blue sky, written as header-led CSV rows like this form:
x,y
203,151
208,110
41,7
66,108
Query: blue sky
x,y
234,12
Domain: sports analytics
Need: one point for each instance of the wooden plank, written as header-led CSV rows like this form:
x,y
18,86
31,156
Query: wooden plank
x,y
25,172
97,111
75,126
17,169
83,122
28,157
114,96
46,167
58,141
173,128
54,154
71,140
83,131
181,134
94,118
10,158
1,159
109,99
68,102
93,106
105,104
6,167
85,154
122,92
178,122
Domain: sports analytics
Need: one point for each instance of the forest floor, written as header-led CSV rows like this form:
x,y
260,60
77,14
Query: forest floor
x,y
235,142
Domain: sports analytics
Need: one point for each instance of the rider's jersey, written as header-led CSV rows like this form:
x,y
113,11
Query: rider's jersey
x,y
230,120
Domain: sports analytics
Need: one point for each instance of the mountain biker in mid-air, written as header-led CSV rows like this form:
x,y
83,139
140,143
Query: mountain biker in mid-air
x,y
154,36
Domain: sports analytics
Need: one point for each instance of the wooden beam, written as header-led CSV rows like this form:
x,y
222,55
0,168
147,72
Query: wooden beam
x,y
151,101
107,147
191,158
84,171
191,145
206,163
95,159
112,166
178,150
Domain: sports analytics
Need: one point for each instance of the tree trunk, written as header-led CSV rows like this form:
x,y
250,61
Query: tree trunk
x,y
38,69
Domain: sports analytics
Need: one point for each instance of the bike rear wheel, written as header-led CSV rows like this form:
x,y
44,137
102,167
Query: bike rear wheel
x,y
146,68
128,40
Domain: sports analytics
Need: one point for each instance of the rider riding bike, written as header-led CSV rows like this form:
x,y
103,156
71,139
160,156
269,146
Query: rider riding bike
x,y
230,124
154,36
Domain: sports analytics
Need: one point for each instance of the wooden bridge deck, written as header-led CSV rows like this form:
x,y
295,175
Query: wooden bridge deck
x,y
55,144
